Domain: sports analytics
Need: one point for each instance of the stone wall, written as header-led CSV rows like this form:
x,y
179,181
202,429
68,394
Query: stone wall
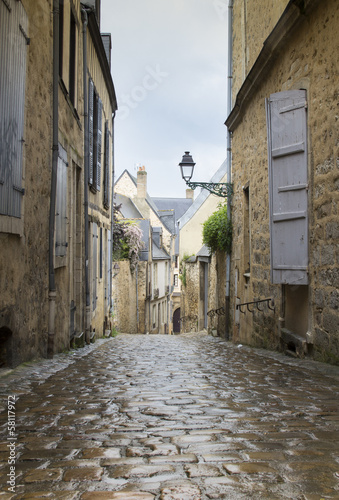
x,y
24,257
131,314
190,296
307,60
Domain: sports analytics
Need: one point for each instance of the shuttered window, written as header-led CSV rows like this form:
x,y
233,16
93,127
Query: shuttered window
x,y
106,166
101,255
99,145
90,129
95,137
13,52
288,186
95,265
61,205
109,268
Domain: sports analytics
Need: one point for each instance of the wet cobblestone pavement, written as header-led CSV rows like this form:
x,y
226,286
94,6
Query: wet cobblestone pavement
x,y
184,417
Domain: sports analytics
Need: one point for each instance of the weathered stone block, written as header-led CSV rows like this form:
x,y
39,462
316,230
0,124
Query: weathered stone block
x,y
331,322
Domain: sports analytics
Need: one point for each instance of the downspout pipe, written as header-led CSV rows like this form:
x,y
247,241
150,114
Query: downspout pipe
x,y
54,174
112,215
229,160
86,168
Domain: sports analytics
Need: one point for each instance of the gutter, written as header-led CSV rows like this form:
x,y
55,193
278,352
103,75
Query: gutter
x,y
112,217
84,12
229,162
100,50
55,154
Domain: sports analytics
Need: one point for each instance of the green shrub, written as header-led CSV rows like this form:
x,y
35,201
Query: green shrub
x,y
217,231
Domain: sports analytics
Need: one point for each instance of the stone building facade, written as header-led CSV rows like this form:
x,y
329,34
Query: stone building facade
x,y
201,293
148,287
285,176
46,301
157,287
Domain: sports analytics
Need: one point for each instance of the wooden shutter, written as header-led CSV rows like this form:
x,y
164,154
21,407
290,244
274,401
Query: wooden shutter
x,y
106,167
95,265
288,186
99,146
90,129
109,268
101,255
13,52
61,205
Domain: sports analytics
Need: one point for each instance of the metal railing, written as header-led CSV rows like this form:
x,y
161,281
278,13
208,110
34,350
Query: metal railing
x,y
269,302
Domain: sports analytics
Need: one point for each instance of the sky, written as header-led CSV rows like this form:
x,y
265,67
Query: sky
x,y
169,68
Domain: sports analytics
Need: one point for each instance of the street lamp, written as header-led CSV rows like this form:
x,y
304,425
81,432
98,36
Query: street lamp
x,y
222,189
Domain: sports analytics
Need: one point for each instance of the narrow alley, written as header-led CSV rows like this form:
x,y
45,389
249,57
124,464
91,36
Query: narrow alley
x,y
170,417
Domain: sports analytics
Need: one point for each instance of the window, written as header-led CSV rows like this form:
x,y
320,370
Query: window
x,y
288,182
109,267
247,233
155,276
95,137
175,280
13,52
154,315
72,59
106,166
94,265
101,255
61,205
61,36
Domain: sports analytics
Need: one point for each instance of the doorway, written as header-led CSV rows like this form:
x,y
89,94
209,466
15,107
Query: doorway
x,y
176,321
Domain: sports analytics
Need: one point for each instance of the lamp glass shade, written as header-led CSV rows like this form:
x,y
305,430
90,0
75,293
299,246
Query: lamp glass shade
x,y
187,166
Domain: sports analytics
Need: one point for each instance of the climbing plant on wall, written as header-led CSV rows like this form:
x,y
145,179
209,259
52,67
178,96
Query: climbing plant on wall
x,y
127,240
217,231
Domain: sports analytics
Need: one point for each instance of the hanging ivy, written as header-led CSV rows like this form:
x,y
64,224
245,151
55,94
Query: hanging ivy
x,y
217,231
127,240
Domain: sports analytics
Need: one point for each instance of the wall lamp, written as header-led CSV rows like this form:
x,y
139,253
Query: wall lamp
x,y
222,189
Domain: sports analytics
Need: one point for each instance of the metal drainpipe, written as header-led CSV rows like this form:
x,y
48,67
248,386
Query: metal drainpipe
x,y
86,161
112,216
55,154
229,162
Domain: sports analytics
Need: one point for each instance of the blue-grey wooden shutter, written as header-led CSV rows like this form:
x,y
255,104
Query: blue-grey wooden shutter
x,y
61,205
101,255
288,186
99,146
95,265
90,129
106,167
109,268
13,52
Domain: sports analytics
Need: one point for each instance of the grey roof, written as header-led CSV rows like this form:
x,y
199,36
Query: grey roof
x,y
170,210
159,253
203,195
204,252
178,205
128,210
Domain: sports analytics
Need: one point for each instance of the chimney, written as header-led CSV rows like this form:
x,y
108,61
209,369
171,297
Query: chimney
x,y
189,194
141,183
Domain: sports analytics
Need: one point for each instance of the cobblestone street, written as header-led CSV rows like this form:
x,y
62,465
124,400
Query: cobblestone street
x,y
171,417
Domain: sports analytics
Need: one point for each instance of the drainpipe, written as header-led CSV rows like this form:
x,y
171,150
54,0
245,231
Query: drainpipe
x,y
55,154
229,162
137,295
112,216
86,166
